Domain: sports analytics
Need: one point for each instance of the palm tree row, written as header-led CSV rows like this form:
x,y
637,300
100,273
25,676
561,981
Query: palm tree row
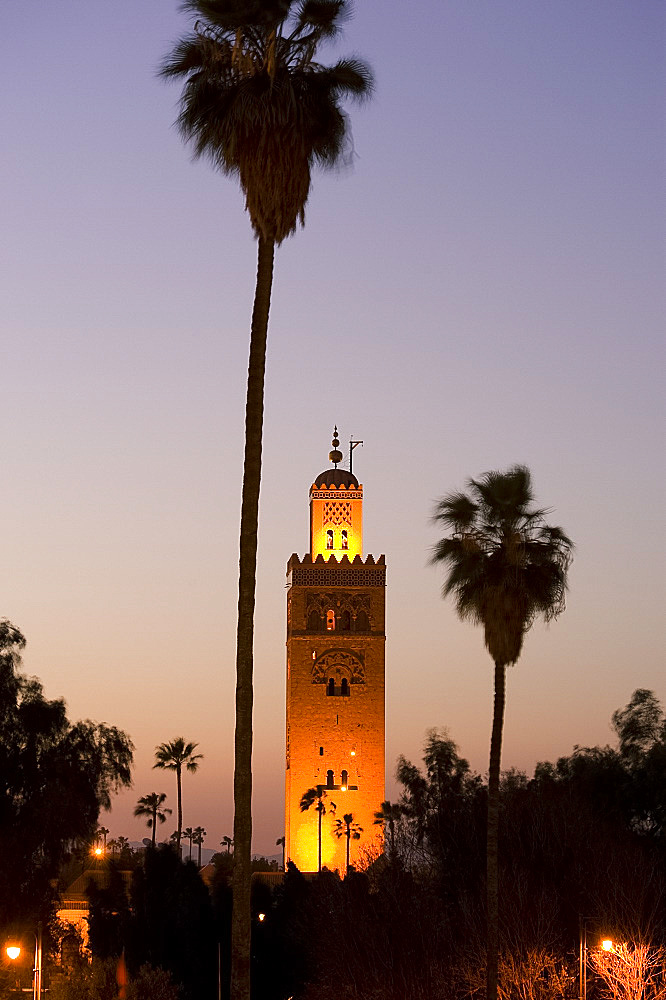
x,y
263,110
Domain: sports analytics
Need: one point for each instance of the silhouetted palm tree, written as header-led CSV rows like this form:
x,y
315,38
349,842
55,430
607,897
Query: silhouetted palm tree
x,y
199,834
153,806
346,827
188,834
280,842
505,567
258,105
315,797
227,842
387,816
102,832
174,756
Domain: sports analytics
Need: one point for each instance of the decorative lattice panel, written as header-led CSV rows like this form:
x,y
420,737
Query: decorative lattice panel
x,y
338,512
338,576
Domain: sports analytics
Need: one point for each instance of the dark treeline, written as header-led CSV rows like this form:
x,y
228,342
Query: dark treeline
x,y
584,837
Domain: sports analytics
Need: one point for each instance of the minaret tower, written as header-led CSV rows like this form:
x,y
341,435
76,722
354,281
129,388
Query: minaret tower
x,y
335,677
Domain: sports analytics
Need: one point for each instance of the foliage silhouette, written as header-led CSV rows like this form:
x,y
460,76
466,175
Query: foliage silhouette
x,y
55,777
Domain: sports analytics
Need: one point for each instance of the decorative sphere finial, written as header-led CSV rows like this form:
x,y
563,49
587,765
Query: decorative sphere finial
x,y
335,456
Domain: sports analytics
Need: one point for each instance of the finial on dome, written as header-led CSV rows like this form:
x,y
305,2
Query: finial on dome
x,y
335,456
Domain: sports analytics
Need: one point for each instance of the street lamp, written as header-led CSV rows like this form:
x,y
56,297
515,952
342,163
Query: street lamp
x,y
607,944
13,952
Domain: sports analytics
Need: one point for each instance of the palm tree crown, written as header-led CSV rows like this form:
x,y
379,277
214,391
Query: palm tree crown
x,y
506,566
257,103
175,756
153,806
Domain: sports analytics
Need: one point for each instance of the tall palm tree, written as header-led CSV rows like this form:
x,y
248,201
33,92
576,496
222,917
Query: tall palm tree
x,y
153,806
188,834
505,567
258,105
346,827
315,797
227,842
199,834
175,756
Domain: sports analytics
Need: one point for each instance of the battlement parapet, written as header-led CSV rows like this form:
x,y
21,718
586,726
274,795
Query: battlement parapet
x,y
346,572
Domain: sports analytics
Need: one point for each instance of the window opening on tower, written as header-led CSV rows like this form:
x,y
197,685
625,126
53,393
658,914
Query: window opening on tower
x,y
329,779
344,687
329,538
330,620
330,688
345,540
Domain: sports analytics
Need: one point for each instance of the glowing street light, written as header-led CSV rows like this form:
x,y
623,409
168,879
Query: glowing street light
x,y
607,944
14,950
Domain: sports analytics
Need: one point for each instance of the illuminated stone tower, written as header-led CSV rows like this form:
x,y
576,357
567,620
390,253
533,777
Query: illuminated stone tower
x,y
335,675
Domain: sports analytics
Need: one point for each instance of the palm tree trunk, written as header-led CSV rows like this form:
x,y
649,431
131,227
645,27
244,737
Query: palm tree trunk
x,y
492,834
254,415
320,810
180,810
348,838
154,826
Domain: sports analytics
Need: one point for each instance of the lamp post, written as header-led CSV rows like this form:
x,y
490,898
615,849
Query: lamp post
x,y
13,952
582,965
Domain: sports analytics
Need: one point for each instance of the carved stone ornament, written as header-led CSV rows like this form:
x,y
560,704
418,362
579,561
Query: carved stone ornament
x,y
338,661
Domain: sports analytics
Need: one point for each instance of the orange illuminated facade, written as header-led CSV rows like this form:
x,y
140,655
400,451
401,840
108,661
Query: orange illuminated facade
x,y
335,677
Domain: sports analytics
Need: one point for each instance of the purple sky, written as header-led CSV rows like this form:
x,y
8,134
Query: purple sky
x,y
484,287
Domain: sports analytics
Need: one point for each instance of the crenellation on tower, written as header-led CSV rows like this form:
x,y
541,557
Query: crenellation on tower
x,y
335,674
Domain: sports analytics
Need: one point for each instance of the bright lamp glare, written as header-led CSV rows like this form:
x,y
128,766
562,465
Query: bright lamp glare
x,y
607,944
13,951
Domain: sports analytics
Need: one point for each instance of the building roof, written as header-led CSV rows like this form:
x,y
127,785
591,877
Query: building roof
x,y
336,477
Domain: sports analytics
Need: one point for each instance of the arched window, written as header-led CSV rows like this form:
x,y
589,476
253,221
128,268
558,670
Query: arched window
x,y
329,538
330,620
345,540
345,621
344,779
362,622
344,687
330,687
314,621
329,779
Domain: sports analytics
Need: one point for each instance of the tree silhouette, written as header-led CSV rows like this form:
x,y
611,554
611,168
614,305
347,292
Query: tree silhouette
x,y
280,842
55,778
152,805
227,842
198,838
387,816
188,834
315,797
346,827
505,567
259,106
174,756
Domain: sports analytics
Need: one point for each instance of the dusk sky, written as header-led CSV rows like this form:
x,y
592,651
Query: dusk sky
x,y
483,286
